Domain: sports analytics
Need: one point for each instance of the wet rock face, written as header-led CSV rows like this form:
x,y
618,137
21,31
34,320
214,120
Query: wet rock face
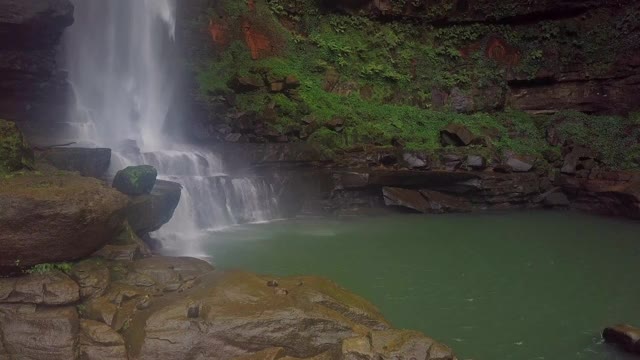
x,y
147,213
31,88
56,217
614,193
88,162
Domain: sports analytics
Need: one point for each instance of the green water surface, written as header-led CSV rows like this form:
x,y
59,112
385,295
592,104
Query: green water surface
x,y
521,286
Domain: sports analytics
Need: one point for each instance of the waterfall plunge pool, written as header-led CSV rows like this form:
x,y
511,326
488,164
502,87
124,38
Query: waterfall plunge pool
x,y
508,286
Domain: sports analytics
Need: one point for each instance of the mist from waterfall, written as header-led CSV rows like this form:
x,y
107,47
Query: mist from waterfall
x,y
122,60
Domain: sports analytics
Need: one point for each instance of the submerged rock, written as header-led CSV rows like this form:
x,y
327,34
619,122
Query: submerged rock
x,y
15,153
136,180
56,217
626,336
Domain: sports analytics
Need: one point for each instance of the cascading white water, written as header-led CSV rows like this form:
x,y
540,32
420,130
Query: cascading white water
x,y
121,58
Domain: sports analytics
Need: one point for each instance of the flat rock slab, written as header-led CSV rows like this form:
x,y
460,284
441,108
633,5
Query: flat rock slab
x,y
93,162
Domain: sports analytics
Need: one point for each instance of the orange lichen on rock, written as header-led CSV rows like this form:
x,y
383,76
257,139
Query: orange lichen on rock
x,y
258,43
503,53
495,49
218,32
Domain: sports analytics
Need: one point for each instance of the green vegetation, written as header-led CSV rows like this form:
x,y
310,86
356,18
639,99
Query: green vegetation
x,y
615,139
136,180
45,268
396,80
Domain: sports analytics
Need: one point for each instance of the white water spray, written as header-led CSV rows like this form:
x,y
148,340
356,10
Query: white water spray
x,y
121,58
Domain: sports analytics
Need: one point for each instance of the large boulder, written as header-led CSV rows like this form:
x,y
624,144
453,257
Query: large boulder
x,y
147,213
136,180
31,332
456,135
15,153
405,198
86,161
576,159
518,163
56,217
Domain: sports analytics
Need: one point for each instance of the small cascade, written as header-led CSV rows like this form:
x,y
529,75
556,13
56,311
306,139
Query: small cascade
x,y
121,62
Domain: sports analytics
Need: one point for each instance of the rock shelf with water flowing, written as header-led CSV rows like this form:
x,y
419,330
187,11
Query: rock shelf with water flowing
x,y
121,60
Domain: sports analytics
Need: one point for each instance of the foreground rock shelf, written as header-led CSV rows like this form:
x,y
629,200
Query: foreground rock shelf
x,y
181,308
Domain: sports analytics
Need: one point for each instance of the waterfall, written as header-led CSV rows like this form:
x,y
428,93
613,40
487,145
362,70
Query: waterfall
x,y
121,56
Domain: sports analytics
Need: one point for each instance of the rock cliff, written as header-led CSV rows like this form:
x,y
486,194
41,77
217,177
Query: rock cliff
x,y
32,87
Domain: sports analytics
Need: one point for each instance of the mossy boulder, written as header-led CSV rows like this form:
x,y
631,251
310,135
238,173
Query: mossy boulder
x,y
136,180
15,153
55,217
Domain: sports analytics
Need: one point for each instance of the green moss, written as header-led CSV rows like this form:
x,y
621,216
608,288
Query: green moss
x,y
15,153
389,72
49,267
136,180
615,138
